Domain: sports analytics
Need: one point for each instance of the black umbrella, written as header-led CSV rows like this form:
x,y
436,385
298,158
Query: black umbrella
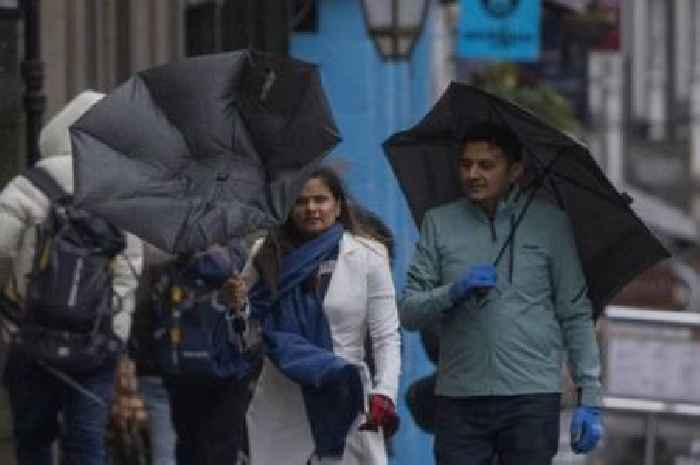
x,y
613,243
203,150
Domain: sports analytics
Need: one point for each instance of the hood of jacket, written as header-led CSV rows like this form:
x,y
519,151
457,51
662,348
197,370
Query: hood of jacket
x,y
54,138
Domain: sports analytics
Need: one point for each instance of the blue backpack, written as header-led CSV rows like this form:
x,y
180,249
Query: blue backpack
x,y
195,334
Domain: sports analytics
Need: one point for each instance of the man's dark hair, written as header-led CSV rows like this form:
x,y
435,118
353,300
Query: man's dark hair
x,y
495,134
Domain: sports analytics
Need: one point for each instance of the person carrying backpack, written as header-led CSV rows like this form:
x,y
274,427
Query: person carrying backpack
x,y
207,356
62,364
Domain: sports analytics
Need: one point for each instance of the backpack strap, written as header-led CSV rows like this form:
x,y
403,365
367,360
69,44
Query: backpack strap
x,y
45,183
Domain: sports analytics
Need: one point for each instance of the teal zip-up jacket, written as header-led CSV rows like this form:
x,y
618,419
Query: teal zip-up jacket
x,y
511,342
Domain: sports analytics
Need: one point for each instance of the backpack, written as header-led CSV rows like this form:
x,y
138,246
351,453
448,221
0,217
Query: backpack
x,y
196,337
65,320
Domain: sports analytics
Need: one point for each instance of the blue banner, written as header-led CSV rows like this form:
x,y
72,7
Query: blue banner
x,y
504,30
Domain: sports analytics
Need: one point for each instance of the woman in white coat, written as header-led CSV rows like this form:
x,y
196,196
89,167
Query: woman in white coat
x,y
357,297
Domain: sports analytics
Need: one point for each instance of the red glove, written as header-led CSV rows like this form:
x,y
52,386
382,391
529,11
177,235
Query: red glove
x,y
382,413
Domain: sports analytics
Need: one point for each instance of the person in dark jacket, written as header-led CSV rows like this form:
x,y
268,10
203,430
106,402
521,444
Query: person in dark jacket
x,y
207,414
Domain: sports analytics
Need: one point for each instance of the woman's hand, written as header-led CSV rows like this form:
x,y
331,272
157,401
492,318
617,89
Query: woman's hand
x,y
381,413
235,292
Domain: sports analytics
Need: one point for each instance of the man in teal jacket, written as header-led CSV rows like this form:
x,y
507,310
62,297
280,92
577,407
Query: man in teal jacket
x,y
504,330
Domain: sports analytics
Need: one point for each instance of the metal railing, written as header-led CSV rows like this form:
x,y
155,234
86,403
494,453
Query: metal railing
x,y
652,408
642,315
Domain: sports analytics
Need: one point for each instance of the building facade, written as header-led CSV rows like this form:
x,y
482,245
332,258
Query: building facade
x,y
84,45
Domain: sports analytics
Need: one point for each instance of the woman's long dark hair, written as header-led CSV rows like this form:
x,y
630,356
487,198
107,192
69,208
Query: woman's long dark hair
x,y
283,239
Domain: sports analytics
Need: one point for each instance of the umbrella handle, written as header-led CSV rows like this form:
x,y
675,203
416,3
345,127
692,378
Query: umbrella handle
x,y
535,184
515,225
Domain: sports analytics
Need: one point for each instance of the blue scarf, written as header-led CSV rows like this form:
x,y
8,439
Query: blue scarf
x,y
298,341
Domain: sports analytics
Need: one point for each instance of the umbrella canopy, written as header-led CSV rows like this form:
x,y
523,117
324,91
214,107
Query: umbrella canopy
x,y
203,150
613,243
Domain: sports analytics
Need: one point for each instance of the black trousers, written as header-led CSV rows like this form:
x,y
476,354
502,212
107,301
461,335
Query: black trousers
x,y
515,430
209,420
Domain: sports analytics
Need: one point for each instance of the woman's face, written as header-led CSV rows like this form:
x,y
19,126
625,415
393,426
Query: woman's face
x,y
316,209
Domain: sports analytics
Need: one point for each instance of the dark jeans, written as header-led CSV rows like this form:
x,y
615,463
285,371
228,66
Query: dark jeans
x,y
38,397
518,430
209,420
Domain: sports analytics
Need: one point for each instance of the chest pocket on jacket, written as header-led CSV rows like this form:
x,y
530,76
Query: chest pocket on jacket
x,y
531,277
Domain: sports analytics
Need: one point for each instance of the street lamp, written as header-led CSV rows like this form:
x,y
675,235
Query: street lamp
x,y
32,69
33,74
395,25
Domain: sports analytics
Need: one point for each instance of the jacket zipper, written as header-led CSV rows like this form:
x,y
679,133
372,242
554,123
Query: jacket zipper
x,y
512,248
489,336
494,238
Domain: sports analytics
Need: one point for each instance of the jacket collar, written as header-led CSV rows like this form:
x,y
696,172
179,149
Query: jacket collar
x,y
348,244
506,206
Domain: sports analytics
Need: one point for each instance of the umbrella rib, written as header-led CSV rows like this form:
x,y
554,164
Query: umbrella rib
x,y
557,194
515,226
616,202
539,169
555,189
552,185
540,173
534,186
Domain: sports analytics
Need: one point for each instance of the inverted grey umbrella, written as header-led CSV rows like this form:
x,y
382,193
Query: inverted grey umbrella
x,y
203,150
613,243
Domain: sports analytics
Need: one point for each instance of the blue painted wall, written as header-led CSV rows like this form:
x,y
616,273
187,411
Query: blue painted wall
x,y
372,99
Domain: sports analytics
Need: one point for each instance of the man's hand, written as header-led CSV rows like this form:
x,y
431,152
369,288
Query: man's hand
x,y
381,413
586,429
477,279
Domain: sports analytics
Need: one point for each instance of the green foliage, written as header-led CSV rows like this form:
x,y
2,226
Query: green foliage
x,y
506,80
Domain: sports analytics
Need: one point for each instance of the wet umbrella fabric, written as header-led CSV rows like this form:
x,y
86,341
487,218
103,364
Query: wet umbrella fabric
x,y
613,243
203,150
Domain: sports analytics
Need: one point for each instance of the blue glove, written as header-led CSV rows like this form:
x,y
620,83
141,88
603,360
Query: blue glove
x,y
476,277
586,429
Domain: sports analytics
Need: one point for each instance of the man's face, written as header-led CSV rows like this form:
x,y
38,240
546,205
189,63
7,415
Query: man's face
x,y
486,173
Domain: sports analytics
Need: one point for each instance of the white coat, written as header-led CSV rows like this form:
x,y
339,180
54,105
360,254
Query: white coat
x,y
23,206
360,298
